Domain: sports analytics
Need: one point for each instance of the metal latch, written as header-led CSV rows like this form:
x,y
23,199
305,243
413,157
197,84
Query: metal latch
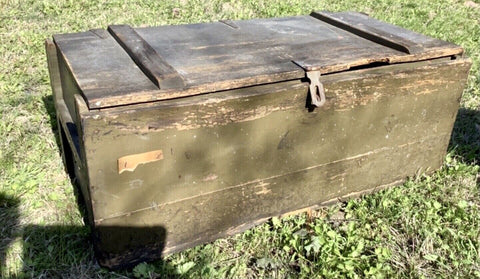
x,y
317,93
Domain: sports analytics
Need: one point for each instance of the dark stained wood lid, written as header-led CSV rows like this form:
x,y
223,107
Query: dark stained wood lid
x,y
127,65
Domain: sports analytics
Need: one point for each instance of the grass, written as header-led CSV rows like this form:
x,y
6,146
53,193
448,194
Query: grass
x,y
427,228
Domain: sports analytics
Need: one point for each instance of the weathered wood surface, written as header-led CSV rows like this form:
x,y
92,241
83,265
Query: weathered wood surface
x,y
100,66
232,159
218,56
386,34
153,65
418,46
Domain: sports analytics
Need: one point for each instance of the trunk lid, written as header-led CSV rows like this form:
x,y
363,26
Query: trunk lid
x,y
125,65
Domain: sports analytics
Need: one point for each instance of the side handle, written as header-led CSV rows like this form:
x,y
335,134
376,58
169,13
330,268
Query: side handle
x,y
64,117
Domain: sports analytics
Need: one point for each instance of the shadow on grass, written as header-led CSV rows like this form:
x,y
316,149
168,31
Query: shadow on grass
x,y
47,250
49,105
465,139
57,251
67,252
9,217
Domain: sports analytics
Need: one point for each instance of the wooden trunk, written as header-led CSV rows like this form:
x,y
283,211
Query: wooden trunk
x,y
179,135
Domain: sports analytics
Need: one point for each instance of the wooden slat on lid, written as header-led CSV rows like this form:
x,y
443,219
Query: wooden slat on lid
x,y
219,56
153,65
420,47
101,67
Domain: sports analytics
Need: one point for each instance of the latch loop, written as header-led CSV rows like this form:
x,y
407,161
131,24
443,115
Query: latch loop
x,y
317,92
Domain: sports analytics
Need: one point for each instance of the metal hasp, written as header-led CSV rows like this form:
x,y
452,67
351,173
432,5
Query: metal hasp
x,y
317,93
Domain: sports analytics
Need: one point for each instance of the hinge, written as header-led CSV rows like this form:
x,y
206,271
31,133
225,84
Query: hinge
x,y
317,92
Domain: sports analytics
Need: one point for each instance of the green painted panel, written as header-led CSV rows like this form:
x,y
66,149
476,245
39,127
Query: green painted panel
x,y
218,145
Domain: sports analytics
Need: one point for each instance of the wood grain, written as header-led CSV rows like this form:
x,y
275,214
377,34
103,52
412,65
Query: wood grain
x,y
153,65
212,57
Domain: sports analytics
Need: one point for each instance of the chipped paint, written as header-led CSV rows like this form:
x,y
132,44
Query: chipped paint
x,y
210,177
